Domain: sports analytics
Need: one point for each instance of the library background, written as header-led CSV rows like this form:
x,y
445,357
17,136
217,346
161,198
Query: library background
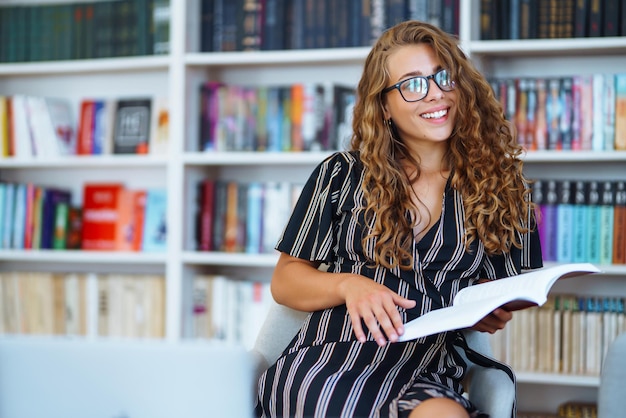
x,y
144,144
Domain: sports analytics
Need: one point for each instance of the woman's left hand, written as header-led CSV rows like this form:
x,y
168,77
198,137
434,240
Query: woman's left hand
x,y
494,321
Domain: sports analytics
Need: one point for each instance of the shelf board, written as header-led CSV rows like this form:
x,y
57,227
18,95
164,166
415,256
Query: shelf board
x,y
574,156
551,47
85,161
100,65
279,58
230,259
82,257
255,158
555,379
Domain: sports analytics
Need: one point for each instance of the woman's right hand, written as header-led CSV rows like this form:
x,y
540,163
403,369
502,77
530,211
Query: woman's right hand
x,y
299,284
374,305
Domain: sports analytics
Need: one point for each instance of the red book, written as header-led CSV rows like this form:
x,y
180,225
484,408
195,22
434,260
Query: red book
x,y
297,109
84,144
101,204
139,212
619,224
206,215
124,235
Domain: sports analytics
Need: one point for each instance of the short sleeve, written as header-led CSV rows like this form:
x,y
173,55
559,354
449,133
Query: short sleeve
x,y
310,231
518,259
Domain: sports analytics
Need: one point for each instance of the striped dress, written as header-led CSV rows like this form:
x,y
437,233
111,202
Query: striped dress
x,y
325,371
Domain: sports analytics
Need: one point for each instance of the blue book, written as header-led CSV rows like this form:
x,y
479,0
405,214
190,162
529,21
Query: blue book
x,y
19,217
565,216
3,187
593,221
9,212
549,220
579,223
155,222
606,222
274,119
254,243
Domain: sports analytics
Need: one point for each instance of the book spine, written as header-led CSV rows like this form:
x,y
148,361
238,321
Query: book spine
x,y
564,221
581,22
541,122
609,112
620,112
619,223
597,138
607,201
567,112
579,218
206,215
593,221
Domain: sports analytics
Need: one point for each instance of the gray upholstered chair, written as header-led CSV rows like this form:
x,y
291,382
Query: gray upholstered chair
x,y
495,392
612,393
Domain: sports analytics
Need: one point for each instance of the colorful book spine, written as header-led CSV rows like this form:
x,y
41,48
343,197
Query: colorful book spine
x,y
565,211
593,221
550,220
579,223
607,201
620,112
619,223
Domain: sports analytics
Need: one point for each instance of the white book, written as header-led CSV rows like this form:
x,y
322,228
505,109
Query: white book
x,y
473,303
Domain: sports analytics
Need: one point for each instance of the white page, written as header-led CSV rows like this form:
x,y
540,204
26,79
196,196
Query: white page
x,y
474,303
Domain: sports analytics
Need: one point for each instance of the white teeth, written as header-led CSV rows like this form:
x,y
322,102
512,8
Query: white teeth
x,y
435,115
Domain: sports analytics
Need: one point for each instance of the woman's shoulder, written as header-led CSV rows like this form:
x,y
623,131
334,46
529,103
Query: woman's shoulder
x,y
344,158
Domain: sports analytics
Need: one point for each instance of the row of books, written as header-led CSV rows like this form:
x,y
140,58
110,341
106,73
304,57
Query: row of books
x,y
116,218
569,334
243,217
229,309
131,306
297,117
70,31
111,218
543,19
582,221
582,112
252,25
44,303
570,409
44,127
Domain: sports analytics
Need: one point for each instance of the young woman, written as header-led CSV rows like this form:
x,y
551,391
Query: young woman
x,y
430,199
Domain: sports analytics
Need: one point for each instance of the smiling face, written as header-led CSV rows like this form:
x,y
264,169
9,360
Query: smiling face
x,y
430,120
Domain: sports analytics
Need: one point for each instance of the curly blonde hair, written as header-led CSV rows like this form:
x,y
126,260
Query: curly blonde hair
x,y
483,155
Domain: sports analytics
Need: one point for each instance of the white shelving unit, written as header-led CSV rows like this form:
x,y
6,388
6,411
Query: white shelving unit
x,y
179,75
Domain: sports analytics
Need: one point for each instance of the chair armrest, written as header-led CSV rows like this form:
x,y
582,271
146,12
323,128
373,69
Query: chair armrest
x,y
490,390
611,394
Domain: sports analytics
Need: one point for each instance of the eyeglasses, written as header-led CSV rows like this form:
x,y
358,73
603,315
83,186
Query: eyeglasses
x,y
416,88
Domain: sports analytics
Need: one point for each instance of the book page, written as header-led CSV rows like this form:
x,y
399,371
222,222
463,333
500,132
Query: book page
x,y
475,302
531,286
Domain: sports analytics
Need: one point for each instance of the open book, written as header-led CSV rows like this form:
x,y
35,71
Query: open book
x,y
473,303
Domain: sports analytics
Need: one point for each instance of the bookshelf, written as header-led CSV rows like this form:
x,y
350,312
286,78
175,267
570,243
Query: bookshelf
x,y
179,74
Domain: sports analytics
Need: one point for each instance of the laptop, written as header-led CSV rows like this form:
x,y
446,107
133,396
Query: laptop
x,y
68,378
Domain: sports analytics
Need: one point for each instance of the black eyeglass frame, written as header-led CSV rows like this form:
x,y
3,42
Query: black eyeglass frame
x,y
427,78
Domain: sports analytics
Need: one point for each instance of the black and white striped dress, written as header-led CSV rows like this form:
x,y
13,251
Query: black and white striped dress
x,y
325,371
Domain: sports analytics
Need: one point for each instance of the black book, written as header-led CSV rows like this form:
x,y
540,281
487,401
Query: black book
x,y
611,17
581,19
131,132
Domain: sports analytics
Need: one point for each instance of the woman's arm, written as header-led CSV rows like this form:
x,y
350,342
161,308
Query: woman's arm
x,y
300,285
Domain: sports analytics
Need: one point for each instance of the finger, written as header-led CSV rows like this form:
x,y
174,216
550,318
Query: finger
x,y
372,324
358,328
403,302
502,315
387,322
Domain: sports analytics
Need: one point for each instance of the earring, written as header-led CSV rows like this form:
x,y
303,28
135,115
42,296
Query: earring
x,y
388,124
